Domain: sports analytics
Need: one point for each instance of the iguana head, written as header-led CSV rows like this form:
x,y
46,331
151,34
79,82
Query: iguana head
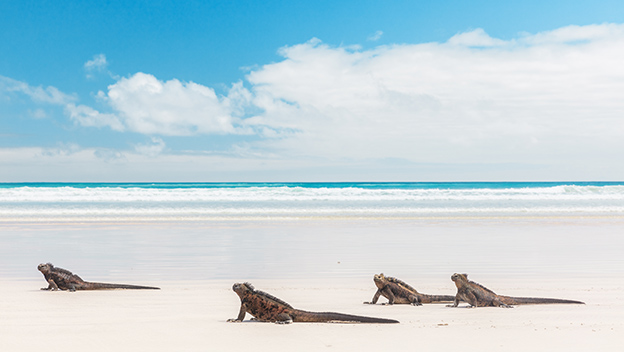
x,y
45,268
380,280
459,278
242,289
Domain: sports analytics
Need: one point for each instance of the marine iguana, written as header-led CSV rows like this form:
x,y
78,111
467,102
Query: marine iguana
x,y
267,308
398,292
477,295
62,279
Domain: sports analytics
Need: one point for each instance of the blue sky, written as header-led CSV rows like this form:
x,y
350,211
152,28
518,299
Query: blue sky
x,y
311,90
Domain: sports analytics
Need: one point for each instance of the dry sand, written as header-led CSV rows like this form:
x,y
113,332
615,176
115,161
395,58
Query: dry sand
x,y
191,316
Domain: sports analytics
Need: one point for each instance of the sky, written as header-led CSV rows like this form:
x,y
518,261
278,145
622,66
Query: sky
x,y
213,91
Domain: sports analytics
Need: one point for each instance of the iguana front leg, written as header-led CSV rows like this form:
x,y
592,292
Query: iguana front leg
x,y
471,299
455,303
389,295
241,315
375,298
51,286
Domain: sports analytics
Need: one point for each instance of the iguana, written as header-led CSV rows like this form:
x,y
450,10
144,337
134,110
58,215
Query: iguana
x,y
478,296
267,308
62,279
398,292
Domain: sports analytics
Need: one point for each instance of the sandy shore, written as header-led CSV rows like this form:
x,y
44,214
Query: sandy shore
x,y
191,316
317,266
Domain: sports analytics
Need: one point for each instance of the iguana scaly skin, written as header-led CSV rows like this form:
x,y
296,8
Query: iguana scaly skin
x,y
61,279
267,308
479,296
398,292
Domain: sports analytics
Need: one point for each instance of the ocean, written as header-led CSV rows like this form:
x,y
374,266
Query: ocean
x,y
247,231
215,201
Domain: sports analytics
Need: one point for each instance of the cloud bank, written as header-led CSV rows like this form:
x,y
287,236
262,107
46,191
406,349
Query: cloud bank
x,y
473,98
548,98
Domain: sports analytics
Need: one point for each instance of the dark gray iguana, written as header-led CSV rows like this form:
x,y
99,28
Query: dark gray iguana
x,y
61,279
398,292
479,296
267,308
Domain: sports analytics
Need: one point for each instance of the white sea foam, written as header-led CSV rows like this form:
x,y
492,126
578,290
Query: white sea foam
x,y
259,194
106,202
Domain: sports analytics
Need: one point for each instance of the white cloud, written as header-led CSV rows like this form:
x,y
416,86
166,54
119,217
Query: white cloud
x,y
474,98
89,117
38,113
476,37
572,34
48,95
152,149
71,163
375,37
109,156
62,150
144,104
97,64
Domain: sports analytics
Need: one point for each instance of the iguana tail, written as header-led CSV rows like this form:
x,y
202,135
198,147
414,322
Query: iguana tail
x,y
436,299
534,300
103,286
325,317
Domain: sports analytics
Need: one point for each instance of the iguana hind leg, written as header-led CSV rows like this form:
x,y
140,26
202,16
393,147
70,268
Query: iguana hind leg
x,y
415,301
498,303
284,318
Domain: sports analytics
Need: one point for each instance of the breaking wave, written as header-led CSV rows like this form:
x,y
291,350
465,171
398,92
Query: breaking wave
x,y
297,200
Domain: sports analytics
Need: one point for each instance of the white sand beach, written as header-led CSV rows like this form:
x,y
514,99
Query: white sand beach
x,y
579,260
191,316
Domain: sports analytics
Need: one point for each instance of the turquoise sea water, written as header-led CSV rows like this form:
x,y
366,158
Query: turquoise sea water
x,y
116,201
